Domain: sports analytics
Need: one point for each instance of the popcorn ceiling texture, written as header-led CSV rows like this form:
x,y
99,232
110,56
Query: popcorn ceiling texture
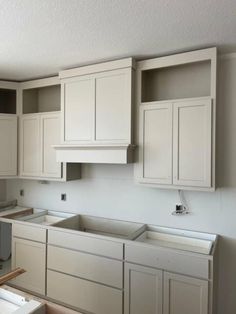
x,y
39,38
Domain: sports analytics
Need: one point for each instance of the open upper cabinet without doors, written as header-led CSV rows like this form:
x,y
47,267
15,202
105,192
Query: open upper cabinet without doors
x,y
176,104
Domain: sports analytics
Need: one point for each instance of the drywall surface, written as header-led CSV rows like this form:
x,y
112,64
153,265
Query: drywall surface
x,y
108,190
2,190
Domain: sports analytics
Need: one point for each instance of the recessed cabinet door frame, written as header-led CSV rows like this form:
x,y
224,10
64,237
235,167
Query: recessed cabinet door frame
x,y
8,144
50,129
185,295
78,109
192,149
156,141
143,290
31,142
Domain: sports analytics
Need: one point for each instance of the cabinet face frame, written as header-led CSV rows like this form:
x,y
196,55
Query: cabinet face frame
x,y
168,61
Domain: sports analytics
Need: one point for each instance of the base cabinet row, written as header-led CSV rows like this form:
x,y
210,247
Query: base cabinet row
x,y
152,291
99,284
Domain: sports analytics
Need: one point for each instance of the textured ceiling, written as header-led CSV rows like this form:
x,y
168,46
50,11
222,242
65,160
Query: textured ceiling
x,y
40,37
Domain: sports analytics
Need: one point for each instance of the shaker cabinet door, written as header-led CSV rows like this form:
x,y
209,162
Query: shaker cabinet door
x,y
8,144
143,290
50,126
192,143
113,106
185,295
30,146
79,105
156,142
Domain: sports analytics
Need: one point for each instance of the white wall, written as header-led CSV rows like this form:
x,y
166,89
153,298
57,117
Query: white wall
x,y
109,191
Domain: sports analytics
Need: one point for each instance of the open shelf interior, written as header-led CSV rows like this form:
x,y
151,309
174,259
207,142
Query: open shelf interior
x,y
177,82
43,99
7,101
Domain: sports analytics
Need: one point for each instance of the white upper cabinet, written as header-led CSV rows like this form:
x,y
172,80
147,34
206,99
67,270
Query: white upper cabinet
x,y
176,105
156,138
8,144
113,106
30,146
40,129
8,129
79,98
50,128
97,109
192,143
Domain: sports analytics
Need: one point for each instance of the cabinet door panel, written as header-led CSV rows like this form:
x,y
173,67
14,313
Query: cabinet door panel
x,y
30,256
185,295
156,126
79,104
30,146
143,290
192,143
113,106
50,126
8,144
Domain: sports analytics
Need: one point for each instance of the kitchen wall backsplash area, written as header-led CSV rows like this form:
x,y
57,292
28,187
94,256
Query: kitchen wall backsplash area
x,y
110,191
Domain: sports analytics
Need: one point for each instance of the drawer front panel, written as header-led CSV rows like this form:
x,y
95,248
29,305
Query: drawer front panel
x,y
29,232
87,266
172,261
86,244
83,294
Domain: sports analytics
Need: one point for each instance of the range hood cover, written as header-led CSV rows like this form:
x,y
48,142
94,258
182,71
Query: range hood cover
x,y
105,154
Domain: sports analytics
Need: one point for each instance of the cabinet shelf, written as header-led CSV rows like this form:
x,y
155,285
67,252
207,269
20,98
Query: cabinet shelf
x,y
175,82
41,99
7,101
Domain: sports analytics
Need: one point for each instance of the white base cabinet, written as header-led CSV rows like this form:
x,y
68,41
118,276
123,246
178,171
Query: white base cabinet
x,y
31,256
143,290
185,295
83,294
153,291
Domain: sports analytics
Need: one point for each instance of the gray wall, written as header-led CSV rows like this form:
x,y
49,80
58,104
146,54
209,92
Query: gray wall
x,y
2,190
109,191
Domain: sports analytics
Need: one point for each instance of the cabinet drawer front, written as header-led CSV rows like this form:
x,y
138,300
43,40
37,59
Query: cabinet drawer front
x,y
163,259
87,266
83,294
86,244
29,232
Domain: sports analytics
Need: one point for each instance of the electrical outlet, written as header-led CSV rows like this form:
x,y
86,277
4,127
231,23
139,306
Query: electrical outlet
x,y
63,197
22,192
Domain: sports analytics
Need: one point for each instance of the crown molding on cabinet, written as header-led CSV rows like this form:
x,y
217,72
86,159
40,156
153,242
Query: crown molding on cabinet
x,y
100,67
